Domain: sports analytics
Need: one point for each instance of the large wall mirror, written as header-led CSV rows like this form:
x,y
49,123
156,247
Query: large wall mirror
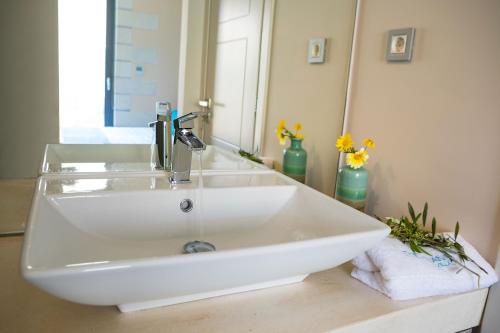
x,y
135,52
116,58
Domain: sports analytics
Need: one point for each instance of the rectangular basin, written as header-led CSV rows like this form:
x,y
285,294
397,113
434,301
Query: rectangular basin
x,y
66,159
120,241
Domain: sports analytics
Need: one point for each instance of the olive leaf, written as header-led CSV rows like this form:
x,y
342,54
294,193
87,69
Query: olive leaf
x,y
412,213
424,214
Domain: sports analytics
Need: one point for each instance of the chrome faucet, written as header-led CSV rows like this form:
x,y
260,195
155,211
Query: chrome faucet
x,y
185,142
163,129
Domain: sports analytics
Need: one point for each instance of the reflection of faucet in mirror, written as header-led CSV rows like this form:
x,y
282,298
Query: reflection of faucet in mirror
x,y
163,137
185,142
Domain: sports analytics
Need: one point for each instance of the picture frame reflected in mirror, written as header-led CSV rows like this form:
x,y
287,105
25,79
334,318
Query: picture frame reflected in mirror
x,y
400,45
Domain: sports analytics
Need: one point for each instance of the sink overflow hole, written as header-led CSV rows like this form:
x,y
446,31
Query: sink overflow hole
x,y
198,246
186,205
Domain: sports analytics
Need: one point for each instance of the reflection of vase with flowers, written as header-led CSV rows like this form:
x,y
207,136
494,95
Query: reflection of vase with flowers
x,y
352,178
294,157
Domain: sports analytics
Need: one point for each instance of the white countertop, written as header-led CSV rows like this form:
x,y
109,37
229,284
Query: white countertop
x,y
330,301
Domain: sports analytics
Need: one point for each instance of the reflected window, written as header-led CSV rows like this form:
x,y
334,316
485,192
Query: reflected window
x,y
116,59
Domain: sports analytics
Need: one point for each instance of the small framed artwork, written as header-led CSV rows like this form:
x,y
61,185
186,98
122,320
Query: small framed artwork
x,y
400,45
316,54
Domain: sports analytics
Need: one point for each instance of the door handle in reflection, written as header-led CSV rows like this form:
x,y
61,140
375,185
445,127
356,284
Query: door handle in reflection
x,y
205,103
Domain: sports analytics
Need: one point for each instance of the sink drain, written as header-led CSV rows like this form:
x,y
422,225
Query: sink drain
x,y
197,246
186,205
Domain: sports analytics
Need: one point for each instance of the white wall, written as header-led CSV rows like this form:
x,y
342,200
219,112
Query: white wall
x,y
28,84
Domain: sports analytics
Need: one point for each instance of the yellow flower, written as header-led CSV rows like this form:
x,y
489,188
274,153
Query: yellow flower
x,y
299,136
279,130
297,127
281,125
282,138
344,143
369,143
358,159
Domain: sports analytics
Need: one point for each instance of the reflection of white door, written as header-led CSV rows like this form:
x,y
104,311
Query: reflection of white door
x,y
233,71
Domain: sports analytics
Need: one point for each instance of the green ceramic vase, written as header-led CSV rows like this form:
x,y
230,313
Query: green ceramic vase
x,y
295,161
352,187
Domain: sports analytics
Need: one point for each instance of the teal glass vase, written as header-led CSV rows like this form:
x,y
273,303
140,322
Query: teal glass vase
x,y
295,161
352,187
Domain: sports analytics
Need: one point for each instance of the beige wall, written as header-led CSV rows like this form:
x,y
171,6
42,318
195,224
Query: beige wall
x,y
28,84
311,94
435,120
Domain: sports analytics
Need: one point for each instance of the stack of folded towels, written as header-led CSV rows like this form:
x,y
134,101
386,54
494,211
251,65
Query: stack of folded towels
x,y
393,269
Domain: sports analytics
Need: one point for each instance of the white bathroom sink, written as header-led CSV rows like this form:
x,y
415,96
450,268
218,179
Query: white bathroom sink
x,y
119,241
137,158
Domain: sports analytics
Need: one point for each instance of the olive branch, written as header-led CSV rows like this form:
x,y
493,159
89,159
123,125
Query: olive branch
x,y
409,231
250,156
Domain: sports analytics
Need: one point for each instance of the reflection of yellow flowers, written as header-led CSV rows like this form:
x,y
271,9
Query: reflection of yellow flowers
x,y
369,143
281,125
279,132
281,137
357,160
282,132
344,143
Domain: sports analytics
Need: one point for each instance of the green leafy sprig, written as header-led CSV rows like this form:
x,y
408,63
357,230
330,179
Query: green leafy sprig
x,y
409,231
250,156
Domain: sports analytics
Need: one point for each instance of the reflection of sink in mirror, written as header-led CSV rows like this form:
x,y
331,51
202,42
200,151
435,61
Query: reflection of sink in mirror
x,y
216,158
119,241
73,158
81,153
98,158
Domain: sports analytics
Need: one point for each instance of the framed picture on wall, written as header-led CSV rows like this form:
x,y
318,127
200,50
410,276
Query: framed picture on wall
x,y
400,45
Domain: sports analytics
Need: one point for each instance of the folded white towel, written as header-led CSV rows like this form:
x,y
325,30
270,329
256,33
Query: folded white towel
x,y
393,269
364,262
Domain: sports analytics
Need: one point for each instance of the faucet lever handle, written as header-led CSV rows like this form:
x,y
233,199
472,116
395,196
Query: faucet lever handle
x,y
186,121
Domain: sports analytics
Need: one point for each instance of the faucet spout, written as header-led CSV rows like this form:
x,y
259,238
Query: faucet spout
x,y
185,142
192,142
